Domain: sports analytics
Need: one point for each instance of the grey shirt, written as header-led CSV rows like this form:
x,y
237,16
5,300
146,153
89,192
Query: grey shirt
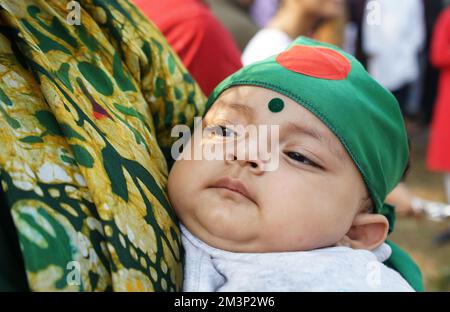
x,y
328,269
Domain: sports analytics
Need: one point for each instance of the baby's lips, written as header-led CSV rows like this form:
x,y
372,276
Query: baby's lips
x,y
233,185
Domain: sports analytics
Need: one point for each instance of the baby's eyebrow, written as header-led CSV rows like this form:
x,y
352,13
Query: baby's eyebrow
x,y
314,133
240,108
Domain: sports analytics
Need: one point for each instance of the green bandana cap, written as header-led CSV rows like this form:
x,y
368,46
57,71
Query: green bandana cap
x,y
336,88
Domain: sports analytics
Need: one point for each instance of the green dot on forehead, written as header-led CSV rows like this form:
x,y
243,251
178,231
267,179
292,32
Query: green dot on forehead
x,y
276,105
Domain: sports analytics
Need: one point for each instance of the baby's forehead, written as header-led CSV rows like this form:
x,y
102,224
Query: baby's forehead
x,y
247,94
260,105
251,101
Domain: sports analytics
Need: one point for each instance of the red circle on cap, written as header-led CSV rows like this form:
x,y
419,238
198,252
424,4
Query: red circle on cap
x,y
318,62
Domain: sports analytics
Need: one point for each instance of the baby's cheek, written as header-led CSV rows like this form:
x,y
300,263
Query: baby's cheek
x,y
312,216
177,186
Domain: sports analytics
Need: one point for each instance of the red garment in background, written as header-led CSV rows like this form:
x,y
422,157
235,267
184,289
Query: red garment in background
x,y
439,146
200,40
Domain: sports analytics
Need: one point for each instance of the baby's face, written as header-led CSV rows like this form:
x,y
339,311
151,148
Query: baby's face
x,y
308,201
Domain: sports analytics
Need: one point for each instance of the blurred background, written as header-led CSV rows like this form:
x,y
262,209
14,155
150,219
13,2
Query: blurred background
x,y
404,44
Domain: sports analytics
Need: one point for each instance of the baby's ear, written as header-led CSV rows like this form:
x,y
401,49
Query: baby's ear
x,y
368,231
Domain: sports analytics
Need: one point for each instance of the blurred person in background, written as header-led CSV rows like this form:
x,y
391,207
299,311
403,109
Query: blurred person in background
x,y
295,18
262,11
355,9
393,37
235,16
431,74
438,158
204,45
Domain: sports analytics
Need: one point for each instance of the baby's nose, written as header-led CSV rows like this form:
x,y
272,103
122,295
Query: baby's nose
x,y
255,165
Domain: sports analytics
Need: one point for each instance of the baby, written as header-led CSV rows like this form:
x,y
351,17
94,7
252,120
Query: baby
x,y
315,222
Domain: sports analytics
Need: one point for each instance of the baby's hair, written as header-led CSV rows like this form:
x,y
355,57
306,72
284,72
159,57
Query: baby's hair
x,y
367,204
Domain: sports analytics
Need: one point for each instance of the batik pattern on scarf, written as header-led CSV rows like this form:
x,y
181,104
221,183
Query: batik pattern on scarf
x,y
86,113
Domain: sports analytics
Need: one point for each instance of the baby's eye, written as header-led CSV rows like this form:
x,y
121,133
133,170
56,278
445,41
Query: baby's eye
x,y
301,159
218,130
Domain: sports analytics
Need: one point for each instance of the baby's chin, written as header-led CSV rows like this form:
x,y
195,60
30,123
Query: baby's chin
x,y
220,227
233,238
